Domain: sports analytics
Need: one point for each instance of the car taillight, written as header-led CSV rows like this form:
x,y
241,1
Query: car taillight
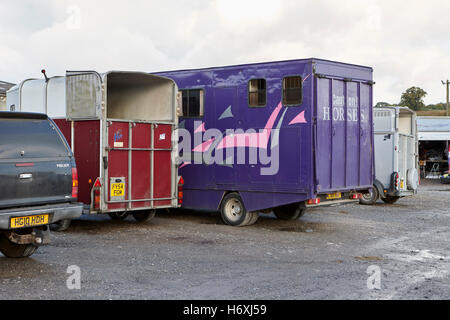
x,y
313,201
180,190
96,189
74,183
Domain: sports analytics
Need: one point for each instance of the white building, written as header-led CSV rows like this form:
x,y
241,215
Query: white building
x,y
434,137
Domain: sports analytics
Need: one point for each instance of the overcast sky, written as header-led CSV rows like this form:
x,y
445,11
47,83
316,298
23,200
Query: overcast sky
x,y
406,42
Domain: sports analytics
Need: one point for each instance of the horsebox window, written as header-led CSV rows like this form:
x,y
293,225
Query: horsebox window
x,y
292,91
193,101
257,92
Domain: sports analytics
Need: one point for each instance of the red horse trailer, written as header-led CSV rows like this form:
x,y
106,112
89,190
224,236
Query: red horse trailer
x,y
120,126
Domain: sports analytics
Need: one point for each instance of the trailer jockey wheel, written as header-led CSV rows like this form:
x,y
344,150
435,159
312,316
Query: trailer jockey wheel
x,y
370,197
289,212
234,213
118,215
144,216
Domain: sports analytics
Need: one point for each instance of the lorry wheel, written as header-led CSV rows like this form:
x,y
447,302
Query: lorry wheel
x,y
370,197
390,199
289,212
14,250
61,225
118,215
144,216
233,211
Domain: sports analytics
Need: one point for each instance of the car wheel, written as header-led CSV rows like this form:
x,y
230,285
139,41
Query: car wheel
x,y
118,215
144,216
289,212
14,250
390,199
233,211
370,197
61,225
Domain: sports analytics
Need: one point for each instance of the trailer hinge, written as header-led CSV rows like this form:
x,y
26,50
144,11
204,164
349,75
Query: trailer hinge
x,y
318,75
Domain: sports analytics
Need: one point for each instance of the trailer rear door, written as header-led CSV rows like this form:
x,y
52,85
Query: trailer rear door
x,y
343,135
139,171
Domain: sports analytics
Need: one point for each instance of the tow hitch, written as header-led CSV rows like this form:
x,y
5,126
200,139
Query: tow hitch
x,y
37,237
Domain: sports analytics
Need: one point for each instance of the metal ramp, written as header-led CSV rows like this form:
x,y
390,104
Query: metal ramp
x,y
434,173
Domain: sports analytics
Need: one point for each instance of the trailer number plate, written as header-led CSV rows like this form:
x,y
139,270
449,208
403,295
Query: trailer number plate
x,y
30,221
117,189
336,195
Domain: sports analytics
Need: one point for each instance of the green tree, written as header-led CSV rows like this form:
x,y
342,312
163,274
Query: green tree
x,y
413,98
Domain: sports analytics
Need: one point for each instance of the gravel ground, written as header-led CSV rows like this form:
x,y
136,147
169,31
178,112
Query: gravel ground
x,y
328,254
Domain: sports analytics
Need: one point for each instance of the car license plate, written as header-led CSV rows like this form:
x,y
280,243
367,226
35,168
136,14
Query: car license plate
x,y
117,189
30,221
332,196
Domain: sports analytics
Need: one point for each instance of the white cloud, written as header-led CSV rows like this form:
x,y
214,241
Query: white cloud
x,y
405,42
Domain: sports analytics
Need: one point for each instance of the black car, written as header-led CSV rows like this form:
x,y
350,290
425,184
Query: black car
x,y
38,182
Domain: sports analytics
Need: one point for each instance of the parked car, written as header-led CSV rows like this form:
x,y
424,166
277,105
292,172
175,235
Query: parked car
x,y
38,182
396,155
445,178
315,114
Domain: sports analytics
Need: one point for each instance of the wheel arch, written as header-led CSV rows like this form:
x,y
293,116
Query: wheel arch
x,y
380,188
224,194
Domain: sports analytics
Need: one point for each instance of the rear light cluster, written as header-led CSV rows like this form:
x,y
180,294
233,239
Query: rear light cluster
x,y
313,201
396,180
356,196
180,190
96,190
74,183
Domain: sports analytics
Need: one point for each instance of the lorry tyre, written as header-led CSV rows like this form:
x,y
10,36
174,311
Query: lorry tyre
x,y
253,218
14,250
61,225
233,211
370,197
289,212
118,215
144,216
390,199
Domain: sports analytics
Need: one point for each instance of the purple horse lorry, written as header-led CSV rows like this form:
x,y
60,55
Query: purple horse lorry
x,y
274,137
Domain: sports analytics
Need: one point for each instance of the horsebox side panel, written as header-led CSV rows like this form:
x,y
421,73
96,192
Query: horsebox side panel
x,y
87,153
288,174
162,167
65,127
87,156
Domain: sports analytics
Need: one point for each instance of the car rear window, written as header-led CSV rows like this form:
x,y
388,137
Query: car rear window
x,y
30,138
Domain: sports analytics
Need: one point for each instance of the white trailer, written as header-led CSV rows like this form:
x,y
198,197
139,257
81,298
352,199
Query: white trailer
x,y
37,95
396,155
